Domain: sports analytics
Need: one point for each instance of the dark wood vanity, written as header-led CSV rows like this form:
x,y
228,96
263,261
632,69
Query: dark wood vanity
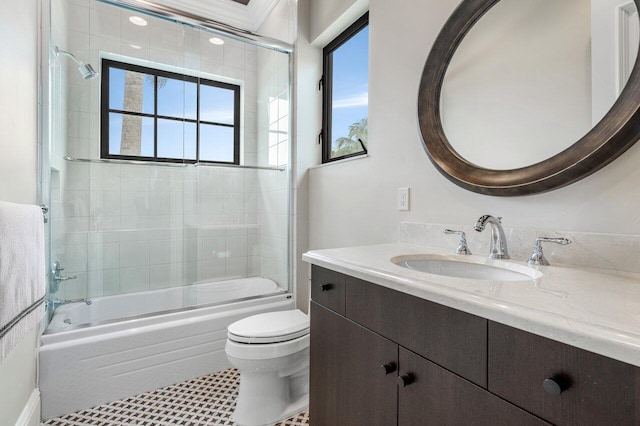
x,y
382,357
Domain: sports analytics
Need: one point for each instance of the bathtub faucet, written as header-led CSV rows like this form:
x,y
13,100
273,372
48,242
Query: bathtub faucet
x,y
57,277
57,302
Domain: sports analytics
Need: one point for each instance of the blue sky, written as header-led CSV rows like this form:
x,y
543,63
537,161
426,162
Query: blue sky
x,y
177,99
350,83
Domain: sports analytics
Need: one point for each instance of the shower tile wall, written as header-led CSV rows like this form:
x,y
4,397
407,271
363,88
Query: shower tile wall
x,y
273,123
127,228
273,135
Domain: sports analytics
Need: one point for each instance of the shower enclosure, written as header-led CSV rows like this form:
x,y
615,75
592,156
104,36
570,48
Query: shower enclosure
x,y
166,167
160,178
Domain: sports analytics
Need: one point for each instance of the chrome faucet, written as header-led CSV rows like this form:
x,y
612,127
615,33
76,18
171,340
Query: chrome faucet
x,y
57,278
463,248
498,248
55,303
537,257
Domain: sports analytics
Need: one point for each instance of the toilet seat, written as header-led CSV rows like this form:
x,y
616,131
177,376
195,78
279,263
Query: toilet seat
x,y
271,327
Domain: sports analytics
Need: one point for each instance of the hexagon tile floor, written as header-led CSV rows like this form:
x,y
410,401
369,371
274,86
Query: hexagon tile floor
x,y
204,401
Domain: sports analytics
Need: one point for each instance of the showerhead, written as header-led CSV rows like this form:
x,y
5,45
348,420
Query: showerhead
x,y
86,70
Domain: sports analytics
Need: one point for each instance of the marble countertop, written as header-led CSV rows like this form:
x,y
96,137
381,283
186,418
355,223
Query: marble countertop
x,y
596,310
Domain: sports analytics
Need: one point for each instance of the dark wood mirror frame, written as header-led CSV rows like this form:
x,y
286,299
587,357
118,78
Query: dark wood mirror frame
x,y
611,137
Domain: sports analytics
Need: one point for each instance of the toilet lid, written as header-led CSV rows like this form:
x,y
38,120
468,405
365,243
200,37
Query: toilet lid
x,y
272,327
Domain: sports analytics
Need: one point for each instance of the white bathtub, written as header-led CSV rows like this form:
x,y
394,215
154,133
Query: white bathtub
x,y
120,345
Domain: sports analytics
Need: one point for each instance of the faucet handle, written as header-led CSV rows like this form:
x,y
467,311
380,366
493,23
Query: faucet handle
x,y
537,257
463,248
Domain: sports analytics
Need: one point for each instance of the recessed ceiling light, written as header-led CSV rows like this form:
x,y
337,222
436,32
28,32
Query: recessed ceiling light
x,y
136,20
135,46
216,40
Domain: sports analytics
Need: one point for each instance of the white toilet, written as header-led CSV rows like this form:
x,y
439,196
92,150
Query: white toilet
x,y
271,352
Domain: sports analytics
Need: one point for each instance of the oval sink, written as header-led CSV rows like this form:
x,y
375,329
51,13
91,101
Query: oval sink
x,y
450,267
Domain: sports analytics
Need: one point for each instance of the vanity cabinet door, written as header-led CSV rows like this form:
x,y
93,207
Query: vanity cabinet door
x,y
434,396
582,388
328,288
349,386
452,339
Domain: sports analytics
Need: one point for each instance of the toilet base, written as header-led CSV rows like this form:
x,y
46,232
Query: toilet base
x,y
266,398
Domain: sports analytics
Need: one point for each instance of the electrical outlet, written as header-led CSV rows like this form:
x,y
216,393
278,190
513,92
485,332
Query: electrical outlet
x,y
403,199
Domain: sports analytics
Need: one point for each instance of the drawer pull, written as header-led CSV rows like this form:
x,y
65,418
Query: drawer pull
x,y
388,368
555,385
405,380
326,287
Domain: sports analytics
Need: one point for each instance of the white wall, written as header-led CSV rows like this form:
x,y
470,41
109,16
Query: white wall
x,y
307,112
355,202
18,162
18,101
18,379
330,17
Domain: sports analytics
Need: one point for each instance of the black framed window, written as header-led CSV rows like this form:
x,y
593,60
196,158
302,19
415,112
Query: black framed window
x,y
345,82
154,115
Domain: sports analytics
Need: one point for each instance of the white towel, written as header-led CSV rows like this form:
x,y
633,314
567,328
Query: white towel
x,y
22,272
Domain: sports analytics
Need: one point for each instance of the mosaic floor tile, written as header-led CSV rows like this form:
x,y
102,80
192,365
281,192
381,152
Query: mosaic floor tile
x,y
204,401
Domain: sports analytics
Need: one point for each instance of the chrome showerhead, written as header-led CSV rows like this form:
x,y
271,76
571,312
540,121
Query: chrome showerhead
x,y
86,70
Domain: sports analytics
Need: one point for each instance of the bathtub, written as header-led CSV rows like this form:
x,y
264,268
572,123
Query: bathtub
x,y
123,345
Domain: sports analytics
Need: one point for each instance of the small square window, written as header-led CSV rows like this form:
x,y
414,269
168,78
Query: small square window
x,y
154,115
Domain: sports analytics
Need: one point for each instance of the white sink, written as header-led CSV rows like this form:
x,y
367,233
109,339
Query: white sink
x,y
470,268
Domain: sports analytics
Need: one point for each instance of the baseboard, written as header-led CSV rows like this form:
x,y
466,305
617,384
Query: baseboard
x,y
30,415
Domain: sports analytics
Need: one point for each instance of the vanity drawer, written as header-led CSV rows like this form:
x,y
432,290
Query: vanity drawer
x,y
452,339
328,288
595,389
437,397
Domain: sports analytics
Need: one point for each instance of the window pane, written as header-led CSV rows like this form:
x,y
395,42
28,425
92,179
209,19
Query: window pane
x,y
130,135
349,104
172,103
130,91
176,139
177,98
216,104
216,143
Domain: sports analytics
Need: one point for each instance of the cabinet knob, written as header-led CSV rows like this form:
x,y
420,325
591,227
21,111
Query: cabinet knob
x,y
405,380
555,385
326,287
388,368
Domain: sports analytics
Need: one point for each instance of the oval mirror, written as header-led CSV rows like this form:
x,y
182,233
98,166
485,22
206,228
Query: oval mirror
x,y
525,96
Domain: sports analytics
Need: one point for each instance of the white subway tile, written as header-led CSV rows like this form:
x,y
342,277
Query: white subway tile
x,y
167,275
104,23
78,19
211,270
166,251
74,259
134,254
76,203
134,279
237,267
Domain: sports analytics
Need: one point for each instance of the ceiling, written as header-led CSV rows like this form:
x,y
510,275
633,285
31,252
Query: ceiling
x,y
245,14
